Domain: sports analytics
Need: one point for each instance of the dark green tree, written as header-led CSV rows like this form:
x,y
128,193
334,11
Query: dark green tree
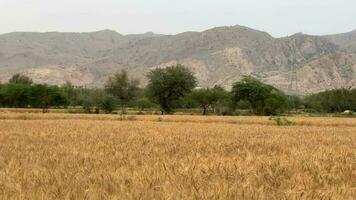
x,y
143,103
90,100
331,101
15,95
108,103
122,87
208,98
264,99
70,93
44,96
168,85
20,79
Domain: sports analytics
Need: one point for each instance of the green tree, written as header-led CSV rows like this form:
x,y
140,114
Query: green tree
x,y
36,96
108,103
90,100
43,96
220,98
20,79
15,95
168,85
294,102
275,103
143,103
70,93
122,87
208,98
331,101
264,99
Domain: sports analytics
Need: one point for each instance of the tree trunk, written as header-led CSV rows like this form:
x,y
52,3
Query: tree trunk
x,y
123,109
204,110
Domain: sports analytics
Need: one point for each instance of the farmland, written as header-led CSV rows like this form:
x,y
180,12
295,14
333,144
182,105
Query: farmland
x,y
78,156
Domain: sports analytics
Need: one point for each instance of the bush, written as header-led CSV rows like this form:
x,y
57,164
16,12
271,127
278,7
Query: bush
x,y
281,121
108,103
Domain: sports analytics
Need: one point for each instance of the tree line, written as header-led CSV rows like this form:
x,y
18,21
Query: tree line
x,y
169,89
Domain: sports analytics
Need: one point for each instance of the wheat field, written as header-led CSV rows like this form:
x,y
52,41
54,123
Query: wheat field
x,y
66,156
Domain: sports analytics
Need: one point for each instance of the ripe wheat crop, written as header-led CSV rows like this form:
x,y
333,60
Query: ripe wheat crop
x,y
63,156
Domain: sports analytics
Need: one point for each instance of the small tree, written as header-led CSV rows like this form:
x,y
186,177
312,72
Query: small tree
x,y
91,100
143,103
219,98
108,103
168,85
123,88
208,98
202,97
20,79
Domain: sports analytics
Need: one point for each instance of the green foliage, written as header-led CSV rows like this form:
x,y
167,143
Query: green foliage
x,y
14,95
243,104
43,96
276,103
108,103
331,101
264,99
294,102
281,121
170,88
94,100
123,88
209,98
169,85
70,93
20,79
143,103
35,96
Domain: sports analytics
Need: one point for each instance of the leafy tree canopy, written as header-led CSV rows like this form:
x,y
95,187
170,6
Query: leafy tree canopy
x,y
122,87
168,85
264,99
208,97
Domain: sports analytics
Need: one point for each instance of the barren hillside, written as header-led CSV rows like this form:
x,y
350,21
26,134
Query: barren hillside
x,y
297,64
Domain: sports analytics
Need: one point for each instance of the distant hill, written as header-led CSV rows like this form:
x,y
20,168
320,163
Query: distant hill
x,y
346,41
220,56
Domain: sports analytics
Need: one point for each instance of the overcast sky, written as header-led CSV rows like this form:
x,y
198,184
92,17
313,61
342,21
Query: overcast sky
x,y
277,17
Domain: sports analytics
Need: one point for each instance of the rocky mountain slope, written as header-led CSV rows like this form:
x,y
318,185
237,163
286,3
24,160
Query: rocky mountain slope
x,y
296,64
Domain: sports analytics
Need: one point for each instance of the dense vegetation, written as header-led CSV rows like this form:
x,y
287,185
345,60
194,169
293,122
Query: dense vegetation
x,y
263,99
332,101
168,86
35,96
170,89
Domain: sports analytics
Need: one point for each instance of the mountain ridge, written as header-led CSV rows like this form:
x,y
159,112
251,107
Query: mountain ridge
x,y
299,63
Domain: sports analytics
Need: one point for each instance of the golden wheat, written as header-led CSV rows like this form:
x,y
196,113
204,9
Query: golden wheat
x,y
62,156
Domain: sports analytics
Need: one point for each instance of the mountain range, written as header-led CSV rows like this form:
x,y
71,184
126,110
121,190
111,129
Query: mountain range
x,y
299,64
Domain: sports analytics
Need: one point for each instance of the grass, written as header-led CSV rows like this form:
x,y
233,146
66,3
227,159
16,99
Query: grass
x,y
64,156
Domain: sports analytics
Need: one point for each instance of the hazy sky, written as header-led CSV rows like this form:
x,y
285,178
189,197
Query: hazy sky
x,y
277,17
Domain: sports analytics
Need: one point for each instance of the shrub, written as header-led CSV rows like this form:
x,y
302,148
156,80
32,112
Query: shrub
x,y
108,103
281,121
